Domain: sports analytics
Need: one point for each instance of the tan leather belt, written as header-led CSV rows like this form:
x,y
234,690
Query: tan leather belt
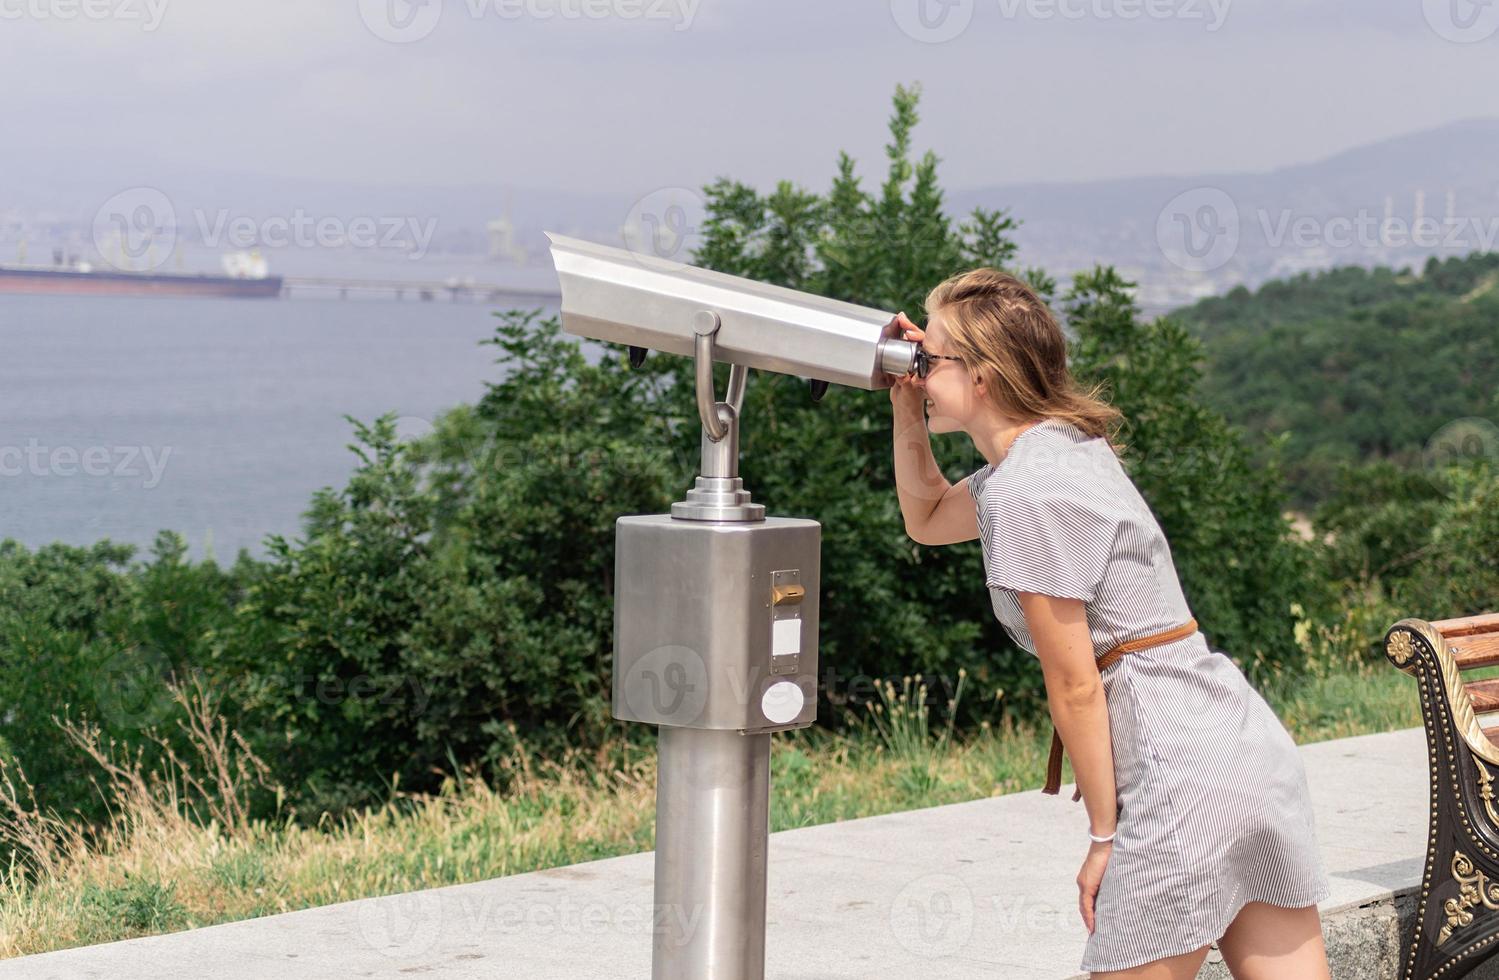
x,y
1054,764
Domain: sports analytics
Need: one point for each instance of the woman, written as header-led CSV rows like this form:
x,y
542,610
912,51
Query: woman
x,y
1196,796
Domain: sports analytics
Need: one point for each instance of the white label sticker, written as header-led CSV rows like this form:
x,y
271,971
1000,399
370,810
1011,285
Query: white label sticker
x,y
782,702
786,637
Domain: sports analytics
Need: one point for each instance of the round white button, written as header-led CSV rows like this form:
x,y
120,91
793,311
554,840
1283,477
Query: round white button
x,y
782,702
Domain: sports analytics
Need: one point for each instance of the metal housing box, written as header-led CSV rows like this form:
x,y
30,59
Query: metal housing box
x,y
715,621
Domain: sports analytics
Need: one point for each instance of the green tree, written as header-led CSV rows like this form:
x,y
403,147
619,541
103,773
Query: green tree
x,y
1354,365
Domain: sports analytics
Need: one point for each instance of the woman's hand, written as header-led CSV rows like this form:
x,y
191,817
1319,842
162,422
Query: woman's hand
x,y
906,391
1090,877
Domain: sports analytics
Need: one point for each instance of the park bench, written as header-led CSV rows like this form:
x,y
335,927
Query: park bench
x,y
1457,913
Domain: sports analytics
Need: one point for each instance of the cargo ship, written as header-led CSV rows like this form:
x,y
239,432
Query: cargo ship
x,y
245,276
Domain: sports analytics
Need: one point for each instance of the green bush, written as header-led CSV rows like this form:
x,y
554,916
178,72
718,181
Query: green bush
x,y
1427,539
89,631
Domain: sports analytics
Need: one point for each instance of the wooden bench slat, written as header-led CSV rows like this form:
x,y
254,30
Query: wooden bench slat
x,y
1485,694
1474,650
1467,625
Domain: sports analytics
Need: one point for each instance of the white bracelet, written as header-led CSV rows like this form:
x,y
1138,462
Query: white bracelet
x,y
1100,840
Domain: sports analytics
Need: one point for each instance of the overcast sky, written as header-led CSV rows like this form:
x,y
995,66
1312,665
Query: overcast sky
x,y
545,93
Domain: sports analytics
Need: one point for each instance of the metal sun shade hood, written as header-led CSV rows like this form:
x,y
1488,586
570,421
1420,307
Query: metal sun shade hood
x,y
625,297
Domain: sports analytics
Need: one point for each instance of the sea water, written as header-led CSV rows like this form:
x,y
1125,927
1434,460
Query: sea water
x,y
215,418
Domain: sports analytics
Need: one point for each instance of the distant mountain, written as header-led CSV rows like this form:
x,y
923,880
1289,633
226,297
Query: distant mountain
x,y
1181,238
1395,202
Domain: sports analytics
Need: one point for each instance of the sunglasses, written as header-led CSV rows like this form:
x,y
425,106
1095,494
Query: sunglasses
x,y
924,361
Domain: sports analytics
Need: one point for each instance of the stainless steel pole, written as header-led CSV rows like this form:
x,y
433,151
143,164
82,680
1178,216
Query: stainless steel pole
x,y
712,835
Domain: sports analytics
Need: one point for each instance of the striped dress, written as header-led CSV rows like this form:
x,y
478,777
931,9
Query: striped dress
x,y
1214,810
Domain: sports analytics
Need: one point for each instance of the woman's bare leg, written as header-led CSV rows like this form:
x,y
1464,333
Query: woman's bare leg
x,y
1182,967
1267,942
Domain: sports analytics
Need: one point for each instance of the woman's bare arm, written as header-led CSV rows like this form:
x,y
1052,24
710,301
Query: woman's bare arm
x,y
1074,693
934,511
955,518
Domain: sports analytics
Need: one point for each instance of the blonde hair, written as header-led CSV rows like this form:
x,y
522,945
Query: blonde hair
x,y
1009,339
